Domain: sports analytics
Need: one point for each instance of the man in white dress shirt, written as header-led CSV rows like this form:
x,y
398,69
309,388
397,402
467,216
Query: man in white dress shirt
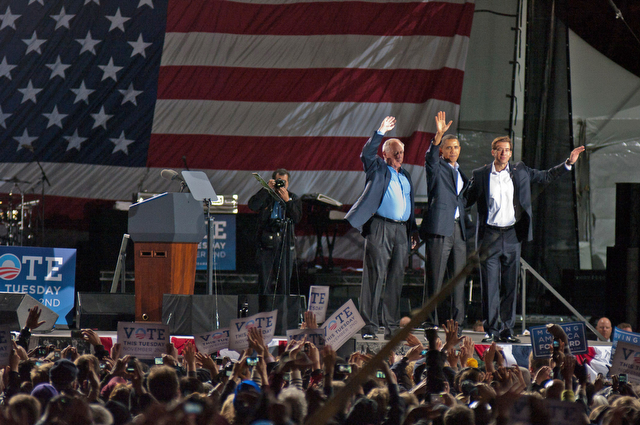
x,y
503,193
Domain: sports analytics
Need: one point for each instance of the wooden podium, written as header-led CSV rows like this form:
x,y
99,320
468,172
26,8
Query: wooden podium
x,y
166,230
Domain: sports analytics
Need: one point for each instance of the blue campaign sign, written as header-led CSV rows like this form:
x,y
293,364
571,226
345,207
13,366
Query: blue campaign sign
x,y
223,232
541,339
47,274
624,336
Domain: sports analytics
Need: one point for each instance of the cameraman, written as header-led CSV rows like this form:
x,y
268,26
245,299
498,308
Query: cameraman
x,y
275,226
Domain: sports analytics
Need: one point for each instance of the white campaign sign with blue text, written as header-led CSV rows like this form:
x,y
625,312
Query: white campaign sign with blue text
x,y
211,342
239,329
342,325
318,301
626,360
315,336
143,340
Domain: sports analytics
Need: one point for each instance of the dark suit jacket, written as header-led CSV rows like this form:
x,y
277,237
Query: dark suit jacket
x,y
443,196
522,177
378,177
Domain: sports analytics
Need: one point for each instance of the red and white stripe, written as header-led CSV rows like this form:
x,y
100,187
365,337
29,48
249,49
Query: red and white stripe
x,y
256,85
250,86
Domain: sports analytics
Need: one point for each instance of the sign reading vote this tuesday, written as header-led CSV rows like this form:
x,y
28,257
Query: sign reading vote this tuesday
x,y
318,301
143,340
211,342
342,325
239,329
315,336
626,360
46,274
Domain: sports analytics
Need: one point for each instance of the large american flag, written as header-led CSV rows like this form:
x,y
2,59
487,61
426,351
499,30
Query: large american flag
x,y
106,93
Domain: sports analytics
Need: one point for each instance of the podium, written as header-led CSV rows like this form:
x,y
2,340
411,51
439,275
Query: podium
x,y
166,230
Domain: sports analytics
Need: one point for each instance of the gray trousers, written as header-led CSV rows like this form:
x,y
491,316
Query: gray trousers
x,y
385,255
446,253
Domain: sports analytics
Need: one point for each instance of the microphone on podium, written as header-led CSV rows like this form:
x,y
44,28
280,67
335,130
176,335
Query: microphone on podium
x,y
171,175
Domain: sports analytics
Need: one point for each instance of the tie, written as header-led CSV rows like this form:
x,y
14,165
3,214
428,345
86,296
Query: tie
x,y
455,183
455,179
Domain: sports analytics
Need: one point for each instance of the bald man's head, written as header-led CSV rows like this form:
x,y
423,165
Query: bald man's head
x,y
604,327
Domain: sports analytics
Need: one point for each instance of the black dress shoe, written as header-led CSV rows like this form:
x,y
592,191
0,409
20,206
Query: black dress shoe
x,y
488,339
510,339
369,337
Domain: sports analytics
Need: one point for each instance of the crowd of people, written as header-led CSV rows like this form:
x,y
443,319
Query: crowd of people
x,y
433,382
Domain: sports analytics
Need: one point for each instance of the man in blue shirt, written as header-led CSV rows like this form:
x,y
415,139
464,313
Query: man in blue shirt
x,y
384,216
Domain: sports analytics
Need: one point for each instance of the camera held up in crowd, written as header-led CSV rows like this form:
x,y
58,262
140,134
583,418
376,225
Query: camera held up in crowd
x,y
279,183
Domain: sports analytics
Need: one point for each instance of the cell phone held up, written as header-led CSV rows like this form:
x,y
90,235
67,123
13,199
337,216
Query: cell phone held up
x,y
228,370
622,378
131,366
436,399
343,368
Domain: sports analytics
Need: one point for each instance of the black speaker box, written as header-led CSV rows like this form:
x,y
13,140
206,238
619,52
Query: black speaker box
x,y
195,314
347,349
586,291
97,310
296,307
14,310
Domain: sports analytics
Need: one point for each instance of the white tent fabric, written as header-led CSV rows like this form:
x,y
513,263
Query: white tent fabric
x,y
606,115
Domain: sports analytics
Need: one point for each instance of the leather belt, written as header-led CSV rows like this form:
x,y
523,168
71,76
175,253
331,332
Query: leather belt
x,y
501,229
389,220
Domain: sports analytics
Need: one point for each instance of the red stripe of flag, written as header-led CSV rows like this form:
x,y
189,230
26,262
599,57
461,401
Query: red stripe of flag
x,y
310,85
217,152
320,18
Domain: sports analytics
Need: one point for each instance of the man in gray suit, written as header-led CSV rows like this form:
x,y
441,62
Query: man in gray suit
x,y
443,227
384,216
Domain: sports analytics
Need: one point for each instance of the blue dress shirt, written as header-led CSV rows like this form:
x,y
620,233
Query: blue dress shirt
x,y
396,203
